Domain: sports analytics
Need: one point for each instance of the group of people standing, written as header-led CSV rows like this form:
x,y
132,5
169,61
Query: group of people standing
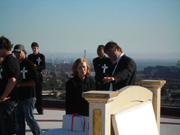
x,y
21,84
111,73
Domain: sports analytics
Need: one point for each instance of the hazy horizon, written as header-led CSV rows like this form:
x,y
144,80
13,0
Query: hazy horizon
x,y
142,56
141,62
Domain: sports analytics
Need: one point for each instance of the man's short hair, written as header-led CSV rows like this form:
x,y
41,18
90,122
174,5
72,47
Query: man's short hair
x,y
101,46
34,44
5,43
111,45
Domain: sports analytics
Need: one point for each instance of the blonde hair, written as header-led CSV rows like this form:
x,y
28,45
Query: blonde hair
x,y
75,66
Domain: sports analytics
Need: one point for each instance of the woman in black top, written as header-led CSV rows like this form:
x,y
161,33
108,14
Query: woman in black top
x,y
81,82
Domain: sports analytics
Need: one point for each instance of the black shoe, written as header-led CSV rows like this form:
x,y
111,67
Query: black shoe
x,y
40,112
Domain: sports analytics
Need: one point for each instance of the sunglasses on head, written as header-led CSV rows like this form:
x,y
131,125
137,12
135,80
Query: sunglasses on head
x,y
17,51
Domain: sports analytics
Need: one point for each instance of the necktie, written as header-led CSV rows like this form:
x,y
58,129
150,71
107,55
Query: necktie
x,y
114,65
114,68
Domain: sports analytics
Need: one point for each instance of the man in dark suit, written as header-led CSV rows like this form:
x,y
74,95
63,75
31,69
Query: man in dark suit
x,y
124,68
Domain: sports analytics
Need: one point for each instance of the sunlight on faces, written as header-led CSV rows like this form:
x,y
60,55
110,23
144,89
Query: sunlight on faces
x,y
82,69
100,52
1,52
113,54
20,55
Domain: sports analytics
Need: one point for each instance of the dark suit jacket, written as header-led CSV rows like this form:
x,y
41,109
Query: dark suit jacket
x,y
125,73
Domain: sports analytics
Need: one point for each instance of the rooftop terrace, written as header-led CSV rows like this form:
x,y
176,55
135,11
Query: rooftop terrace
x,y
52,118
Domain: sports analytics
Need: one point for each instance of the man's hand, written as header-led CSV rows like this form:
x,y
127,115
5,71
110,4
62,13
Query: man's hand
x,y
1,60
108,79
4,99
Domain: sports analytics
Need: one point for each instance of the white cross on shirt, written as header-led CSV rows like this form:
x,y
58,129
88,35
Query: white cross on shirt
x,y
0,73
104,68
24,71
39,60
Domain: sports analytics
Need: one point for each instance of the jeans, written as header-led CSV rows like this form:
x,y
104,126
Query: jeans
x,y
24,111
7,117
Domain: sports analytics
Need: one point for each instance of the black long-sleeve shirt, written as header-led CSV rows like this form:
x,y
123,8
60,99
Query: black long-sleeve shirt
x,y
75,103
9,68
39,60
28,73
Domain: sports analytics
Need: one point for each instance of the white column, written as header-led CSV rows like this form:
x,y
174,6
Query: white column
x,y
155,86
99,111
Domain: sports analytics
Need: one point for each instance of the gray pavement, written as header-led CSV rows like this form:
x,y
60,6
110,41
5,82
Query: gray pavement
x,y
52,118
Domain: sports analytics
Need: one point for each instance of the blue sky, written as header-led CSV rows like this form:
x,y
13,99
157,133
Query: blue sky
x,y
140,27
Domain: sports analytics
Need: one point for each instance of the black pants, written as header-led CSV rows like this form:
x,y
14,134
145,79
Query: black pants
x,y
7,117
38,104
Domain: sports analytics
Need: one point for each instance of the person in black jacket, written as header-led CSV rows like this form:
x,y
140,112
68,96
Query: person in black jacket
x,y
1,61
102,67
124,67
26,91
39,61
9,76
81,82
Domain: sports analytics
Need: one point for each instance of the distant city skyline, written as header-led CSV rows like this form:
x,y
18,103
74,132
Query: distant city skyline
x,y
90,56
141,63
142,28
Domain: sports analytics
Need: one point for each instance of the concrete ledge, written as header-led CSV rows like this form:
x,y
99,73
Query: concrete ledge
x,y
172,111
50,103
